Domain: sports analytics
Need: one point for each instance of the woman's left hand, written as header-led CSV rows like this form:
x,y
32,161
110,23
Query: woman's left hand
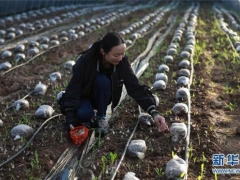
x,y
160,123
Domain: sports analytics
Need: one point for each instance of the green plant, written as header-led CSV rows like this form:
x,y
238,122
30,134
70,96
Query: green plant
x,y
112,156
201,176
232,106
104,163
159,172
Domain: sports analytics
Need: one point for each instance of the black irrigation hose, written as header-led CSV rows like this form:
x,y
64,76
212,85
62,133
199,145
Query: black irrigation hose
x,y
29,142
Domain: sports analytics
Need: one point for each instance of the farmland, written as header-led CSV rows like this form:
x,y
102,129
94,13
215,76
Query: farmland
x,y
207,35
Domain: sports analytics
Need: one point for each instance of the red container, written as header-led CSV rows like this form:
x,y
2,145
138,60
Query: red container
x,y
79,134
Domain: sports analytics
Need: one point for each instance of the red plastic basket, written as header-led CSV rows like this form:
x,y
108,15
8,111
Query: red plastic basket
x,y
79,134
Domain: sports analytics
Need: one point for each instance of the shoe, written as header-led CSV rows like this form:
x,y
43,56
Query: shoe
x,y
102,126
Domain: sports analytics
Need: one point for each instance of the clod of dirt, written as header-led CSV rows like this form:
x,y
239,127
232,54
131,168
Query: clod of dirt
x,y
1,123
14,87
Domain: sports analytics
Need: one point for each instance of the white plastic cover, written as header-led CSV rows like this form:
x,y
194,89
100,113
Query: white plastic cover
x,y
44,111
137,148
175,167
21,130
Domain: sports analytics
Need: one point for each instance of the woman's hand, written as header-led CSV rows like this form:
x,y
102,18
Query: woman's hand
x,y
160,123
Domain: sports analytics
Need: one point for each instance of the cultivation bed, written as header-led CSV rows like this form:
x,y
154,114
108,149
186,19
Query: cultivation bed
x,y
215,103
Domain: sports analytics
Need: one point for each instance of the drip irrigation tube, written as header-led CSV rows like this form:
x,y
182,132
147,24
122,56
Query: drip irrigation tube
x,y
125,150
28,143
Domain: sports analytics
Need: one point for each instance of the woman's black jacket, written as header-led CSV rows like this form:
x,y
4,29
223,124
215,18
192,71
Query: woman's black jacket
x,y
84,72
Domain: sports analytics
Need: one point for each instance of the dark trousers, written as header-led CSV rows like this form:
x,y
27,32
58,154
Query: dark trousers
x,y
100,100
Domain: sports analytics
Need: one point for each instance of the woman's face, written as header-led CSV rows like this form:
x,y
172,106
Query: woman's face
x,y
116,54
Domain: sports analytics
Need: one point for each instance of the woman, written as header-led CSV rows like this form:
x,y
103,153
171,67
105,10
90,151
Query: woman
x,y
98,77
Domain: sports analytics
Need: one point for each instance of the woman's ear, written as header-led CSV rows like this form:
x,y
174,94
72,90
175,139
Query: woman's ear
x,y
102,51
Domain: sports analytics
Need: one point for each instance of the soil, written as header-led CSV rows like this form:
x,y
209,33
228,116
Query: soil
x,y
214,114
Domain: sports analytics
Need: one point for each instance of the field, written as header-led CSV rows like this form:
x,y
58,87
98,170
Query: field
x,y
207,32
